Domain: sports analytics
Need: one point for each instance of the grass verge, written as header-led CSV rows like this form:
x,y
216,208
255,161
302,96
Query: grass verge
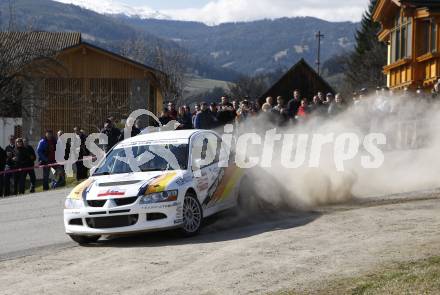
x,y
416,277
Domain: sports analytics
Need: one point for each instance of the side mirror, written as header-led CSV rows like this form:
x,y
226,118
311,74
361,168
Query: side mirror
x,y
93,170
197,164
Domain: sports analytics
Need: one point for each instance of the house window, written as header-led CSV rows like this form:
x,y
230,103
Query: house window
x,y
401,38
429,36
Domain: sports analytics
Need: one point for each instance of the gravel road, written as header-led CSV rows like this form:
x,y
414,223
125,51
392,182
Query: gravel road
x,y
233,254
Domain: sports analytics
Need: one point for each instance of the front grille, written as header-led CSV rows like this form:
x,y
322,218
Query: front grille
x,y
96,203
119,183
125,201
76,221
112,221
97,213
155,216
119,211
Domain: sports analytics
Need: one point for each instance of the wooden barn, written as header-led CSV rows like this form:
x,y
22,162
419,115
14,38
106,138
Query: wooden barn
x,y
301,76
410,29
86,84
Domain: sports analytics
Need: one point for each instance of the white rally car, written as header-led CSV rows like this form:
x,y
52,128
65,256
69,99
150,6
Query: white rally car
x,y
178,183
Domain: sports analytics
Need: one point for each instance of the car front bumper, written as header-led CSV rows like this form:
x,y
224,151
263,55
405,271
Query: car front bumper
x,y
123,219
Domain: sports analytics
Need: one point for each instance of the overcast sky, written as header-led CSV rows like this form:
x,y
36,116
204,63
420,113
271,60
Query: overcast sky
x,y
216,11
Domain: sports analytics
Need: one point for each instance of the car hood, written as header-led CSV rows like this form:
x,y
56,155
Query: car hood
x,y
129,185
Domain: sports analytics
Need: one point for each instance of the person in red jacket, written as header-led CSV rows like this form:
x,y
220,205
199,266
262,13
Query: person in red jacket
x,y
303,111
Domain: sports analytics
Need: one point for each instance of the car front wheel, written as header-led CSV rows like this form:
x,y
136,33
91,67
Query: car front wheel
x,y
192,215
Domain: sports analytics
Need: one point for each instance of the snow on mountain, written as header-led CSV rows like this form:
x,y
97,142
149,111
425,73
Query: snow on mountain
x,y
117,7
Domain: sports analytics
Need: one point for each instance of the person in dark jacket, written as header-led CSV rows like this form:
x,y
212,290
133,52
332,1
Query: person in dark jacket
x,y
46,155
10,165
294,104
185,118
22,158
81,170
164,117
317,108
135,126
204,118
30,163
227,113
2,169
172,112
112,133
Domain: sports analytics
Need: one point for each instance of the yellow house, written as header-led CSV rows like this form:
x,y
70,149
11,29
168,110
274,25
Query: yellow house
x,y
410,28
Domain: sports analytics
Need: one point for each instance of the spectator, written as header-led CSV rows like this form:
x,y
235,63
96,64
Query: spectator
x,y
2,169
329,99
321,97
227,113
436,90
337,106
196,111
185,118
172,111
164,117
269,103
81,170
135,127
10,165
244,111
46,155
294,104
30,164
281,111
112,133
204,118
303,111
22,158
225,102
280,105
60,174
235,105
213,109
317,108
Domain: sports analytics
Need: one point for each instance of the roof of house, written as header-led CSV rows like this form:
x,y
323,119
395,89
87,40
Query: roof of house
x,y
411,3
21,43
300,76
23,47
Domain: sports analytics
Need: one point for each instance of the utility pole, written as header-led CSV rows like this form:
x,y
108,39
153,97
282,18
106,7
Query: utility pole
x,y
319,36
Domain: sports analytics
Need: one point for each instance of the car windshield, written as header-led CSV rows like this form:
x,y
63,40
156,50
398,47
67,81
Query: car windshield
x,y
153,157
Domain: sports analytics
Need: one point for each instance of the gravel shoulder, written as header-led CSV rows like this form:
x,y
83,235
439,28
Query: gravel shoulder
x,y
236,254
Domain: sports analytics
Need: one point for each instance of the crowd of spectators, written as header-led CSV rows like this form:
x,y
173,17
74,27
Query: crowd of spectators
x,y
18,159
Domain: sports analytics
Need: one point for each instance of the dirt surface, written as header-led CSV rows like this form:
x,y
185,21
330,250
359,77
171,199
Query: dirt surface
x,y
239,255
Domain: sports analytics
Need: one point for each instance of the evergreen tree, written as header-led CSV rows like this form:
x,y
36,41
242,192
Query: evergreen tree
x,y
365,63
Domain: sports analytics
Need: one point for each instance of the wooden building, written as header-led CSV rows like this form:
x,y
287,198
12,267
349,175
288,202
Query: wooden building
x,y
86,84
302,77
410,28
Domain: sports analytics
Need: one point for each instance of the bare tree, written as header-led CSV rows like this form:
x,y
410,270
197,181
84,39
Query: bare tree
x,y
23,61
170,60
252,87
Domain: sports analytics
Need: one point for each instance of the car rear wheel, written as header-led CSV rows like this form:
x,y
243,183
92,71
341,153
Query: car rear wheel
x,y
192,215
84,240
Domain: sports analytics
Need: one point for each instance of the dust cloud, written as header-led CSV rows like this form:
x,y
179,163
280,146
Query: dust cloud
x,y
411,159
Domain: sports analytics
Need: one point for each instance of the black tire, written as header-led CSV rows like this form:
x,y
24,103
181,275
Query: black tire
x,y
192,216
84,240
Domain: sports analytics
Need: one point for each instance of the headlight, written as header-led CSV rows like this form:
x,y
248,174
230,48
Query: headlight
x,y
167,196
73,203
